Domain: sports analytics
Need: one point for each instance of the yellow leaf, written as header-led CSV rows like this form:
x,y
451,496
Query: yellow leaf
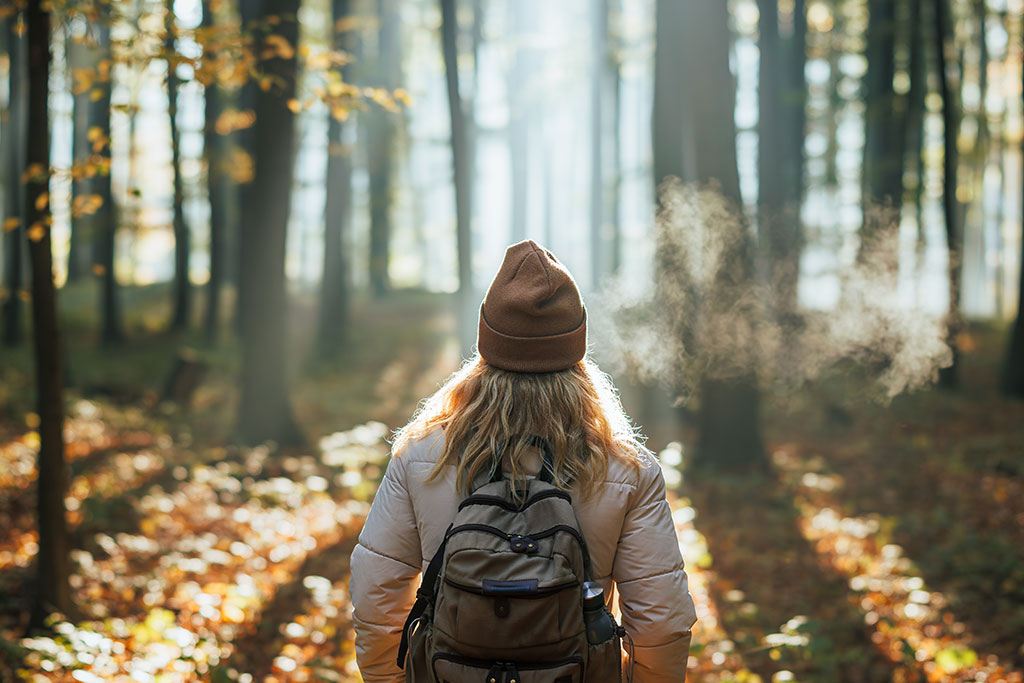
x,y
98,270
12,223
41,200
25,295
294,106
340,113
35,172
32,420
95,94
402,95
36,232
94,133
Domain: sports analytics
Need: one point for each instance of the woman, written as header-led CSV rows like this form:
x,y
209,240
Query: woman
x,y
530,377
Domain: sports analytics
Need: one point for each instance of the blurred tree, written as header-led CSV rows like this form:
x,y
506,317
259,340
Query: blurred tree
x,y
1013,376
104,222
462,165
884,133
600,58
84,54
249,14
687,101
182,242
380,143
219,187
782,92
12,156
519,105
334,294
265,411
614,67
950,204
53,564
918,69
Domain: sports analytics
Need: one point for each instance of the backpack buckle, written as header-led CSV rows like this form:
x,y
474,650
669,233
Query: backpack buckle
x,y
523,544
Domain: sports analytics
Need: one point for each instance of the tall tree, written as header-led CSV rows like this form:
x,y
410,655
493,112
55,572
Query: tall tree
x,y
694,141
461,163
12,145
104,221
83,63
334,294
218,181
950,205
182,241
53,562
598,73
1013,377
614,67
380,139
265,410
885,133
781,98
518,130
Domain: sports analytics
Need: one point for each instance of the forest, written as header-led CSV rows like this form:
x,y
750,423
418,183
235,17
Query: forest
x,y
243,239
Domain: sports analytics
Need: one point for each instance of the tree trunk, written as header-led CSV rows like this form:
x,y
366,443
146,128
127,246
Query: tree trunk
x,y
461,164
182,245
950,126
915,119
53,591
728,420
334,295
381,134
1013,377
250,12
265,411
884,136
615,70
598,71
13,159
105,220
518,132
80,55
218,189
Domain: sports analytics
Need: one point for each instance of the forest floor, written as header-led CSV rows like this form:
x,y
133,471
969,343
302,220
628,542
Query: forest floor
x,y
886,542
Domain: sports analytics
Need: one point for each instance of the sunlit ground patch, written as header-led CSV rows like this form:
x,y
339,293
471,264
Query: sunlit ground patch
x,y
171,602
912,624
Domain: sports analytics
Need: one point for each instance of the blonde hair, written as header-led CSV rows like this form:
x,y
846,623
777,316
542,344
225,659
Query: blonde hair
x,y
481,407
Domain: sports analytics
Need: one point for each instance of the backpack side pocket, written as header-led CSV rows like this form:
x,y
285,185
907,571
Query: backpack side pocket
x,y
604,662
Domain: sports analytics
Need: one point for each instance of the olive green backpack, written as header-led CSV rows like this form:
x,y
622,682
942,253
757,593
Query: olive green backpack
x,y
502,598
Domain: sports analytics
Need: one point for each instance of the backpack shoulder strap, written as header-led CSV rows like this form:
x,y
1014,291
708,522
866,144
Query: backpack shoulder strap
x,y
424,595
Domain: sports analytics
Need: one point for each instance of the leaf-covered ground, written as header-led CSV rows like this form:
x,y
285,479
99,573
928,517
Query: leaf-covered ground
x,y
886,544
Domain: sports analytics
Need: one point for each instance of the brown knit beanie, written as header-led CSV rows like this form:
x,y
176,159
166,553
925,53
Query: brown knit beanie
x,y
532,318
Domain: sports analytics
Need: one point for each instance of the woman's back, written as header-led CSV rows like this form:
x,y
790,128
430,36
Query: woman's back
x,y
626,522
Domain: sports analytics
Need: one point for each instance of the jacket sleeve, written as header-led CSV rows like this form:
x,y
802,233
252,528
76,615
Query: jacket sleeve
x,y
383,579
654,600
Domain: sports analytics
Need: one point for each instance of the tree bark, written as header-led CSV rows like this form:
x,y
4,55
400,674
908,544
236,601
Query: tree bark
x,y
265,411
218,189
13,147
950,125
615,71
381,134
518,132
885,133
105,220
80,56
461,165
182,242
53,591
599,55
1013,377
334,294
698,32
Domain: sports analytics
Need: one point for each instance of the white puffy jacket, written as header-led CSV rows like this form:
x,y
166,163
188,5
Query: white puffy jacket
x,y
626,522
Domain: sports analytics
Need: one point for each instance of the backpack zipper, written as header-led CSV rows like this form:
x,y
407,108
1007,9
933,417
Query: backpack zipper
x,y
508,537
484,499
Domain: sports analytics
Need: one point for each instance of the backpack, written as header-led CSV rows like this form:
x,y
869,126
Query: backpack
x,y
502,600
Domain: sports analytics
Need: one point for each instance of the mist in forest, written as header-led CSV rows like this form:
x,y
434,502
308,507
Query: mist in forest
x,y
702,316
